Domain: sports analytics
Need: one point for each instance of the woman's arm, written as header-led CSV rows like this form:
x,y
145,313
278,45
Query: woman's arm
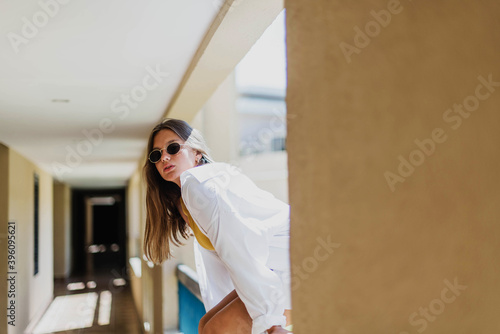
x,y
244,251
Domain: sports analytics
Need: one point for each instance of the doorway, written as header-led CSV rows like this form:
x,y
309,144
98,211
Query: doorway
x,y
99,232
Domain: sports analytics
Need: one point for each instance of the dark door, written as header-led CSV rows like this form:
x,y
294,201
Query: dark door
x,y
99,231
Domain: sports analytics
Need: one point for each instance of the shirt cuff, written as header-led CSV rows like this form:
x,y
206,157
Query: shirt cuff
x,y
264,322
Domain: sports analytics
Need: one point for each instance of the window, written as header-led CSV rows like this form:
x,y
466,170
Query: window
x,y
261,84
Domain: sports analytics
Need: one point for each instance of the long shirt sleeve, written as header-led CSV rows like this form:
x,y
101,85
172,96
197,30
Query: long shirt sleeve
x,y
240,219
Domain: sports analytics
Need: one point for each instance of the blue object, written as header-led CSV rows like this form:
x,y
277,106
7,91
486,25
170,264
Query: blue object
x,y
191,310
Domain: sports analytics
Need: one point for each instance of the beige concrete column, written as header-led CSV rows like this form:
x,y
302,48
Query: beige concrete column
x,y
152,298
89,235
393,165
62,230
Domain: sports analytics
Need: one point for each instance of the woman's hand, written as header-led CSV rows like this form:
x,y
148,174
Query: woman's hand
x,y
277,330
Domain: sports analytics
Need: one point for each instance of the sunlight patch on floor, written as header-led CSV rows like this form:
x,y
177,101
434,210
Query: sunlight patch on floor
x,y
104,308
75,286
67,313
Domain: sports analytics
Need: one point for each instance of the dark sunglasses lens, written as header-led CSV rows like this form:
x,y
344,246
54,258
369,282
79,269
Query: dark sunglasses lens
x,y
173,148
155,156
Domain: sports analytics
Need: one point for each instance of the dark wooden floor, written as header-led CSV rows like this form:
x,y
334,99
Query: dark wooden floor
x,y
124,318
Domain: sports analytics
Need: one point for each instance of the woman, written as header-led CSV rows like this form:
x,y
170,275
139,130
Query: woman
x,y
242,232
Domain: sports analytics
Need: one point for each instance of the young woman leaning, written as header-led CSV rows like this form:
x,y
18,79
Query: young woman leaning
x,y
242,232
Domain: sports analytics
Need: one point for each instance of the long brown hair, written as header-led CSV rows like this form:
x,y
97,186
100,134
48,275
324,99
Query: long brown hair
x,y
164,223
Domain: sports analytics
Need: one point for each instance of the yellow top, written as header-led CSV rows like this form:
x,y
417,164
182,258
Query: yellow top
x,y
202,238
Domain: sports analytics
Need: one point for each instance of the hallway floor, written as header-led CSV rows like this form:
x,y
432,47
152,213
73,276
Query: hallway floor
x,y
89,306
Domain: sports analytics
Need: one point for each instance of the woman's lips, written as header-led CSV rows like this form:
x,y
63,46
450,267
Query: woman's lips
x,y
168,168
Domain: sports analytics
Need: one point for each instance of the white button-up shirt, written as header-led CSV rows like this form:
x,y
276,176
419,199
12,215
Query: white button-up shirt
x,y
249,230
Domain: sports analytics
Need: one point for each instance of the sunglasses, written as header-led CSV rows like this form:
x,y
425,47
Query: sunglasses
x,y
156,154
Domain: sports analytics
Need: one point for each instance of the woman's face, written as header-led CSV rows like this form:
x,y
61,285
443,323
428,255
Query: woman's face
x,y
171,167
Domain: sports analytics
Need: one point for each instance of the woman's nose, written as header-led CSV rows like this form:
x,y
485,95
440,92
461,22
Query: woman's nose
x,y
165,155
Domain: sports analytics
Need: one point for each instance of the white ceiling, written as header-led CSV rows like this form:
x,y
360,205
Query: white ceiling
x,y
71,76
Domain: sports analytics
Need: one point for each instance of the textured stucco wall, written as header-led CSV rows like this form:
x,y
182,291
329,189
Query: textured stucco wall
x,y
393,165
33,292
